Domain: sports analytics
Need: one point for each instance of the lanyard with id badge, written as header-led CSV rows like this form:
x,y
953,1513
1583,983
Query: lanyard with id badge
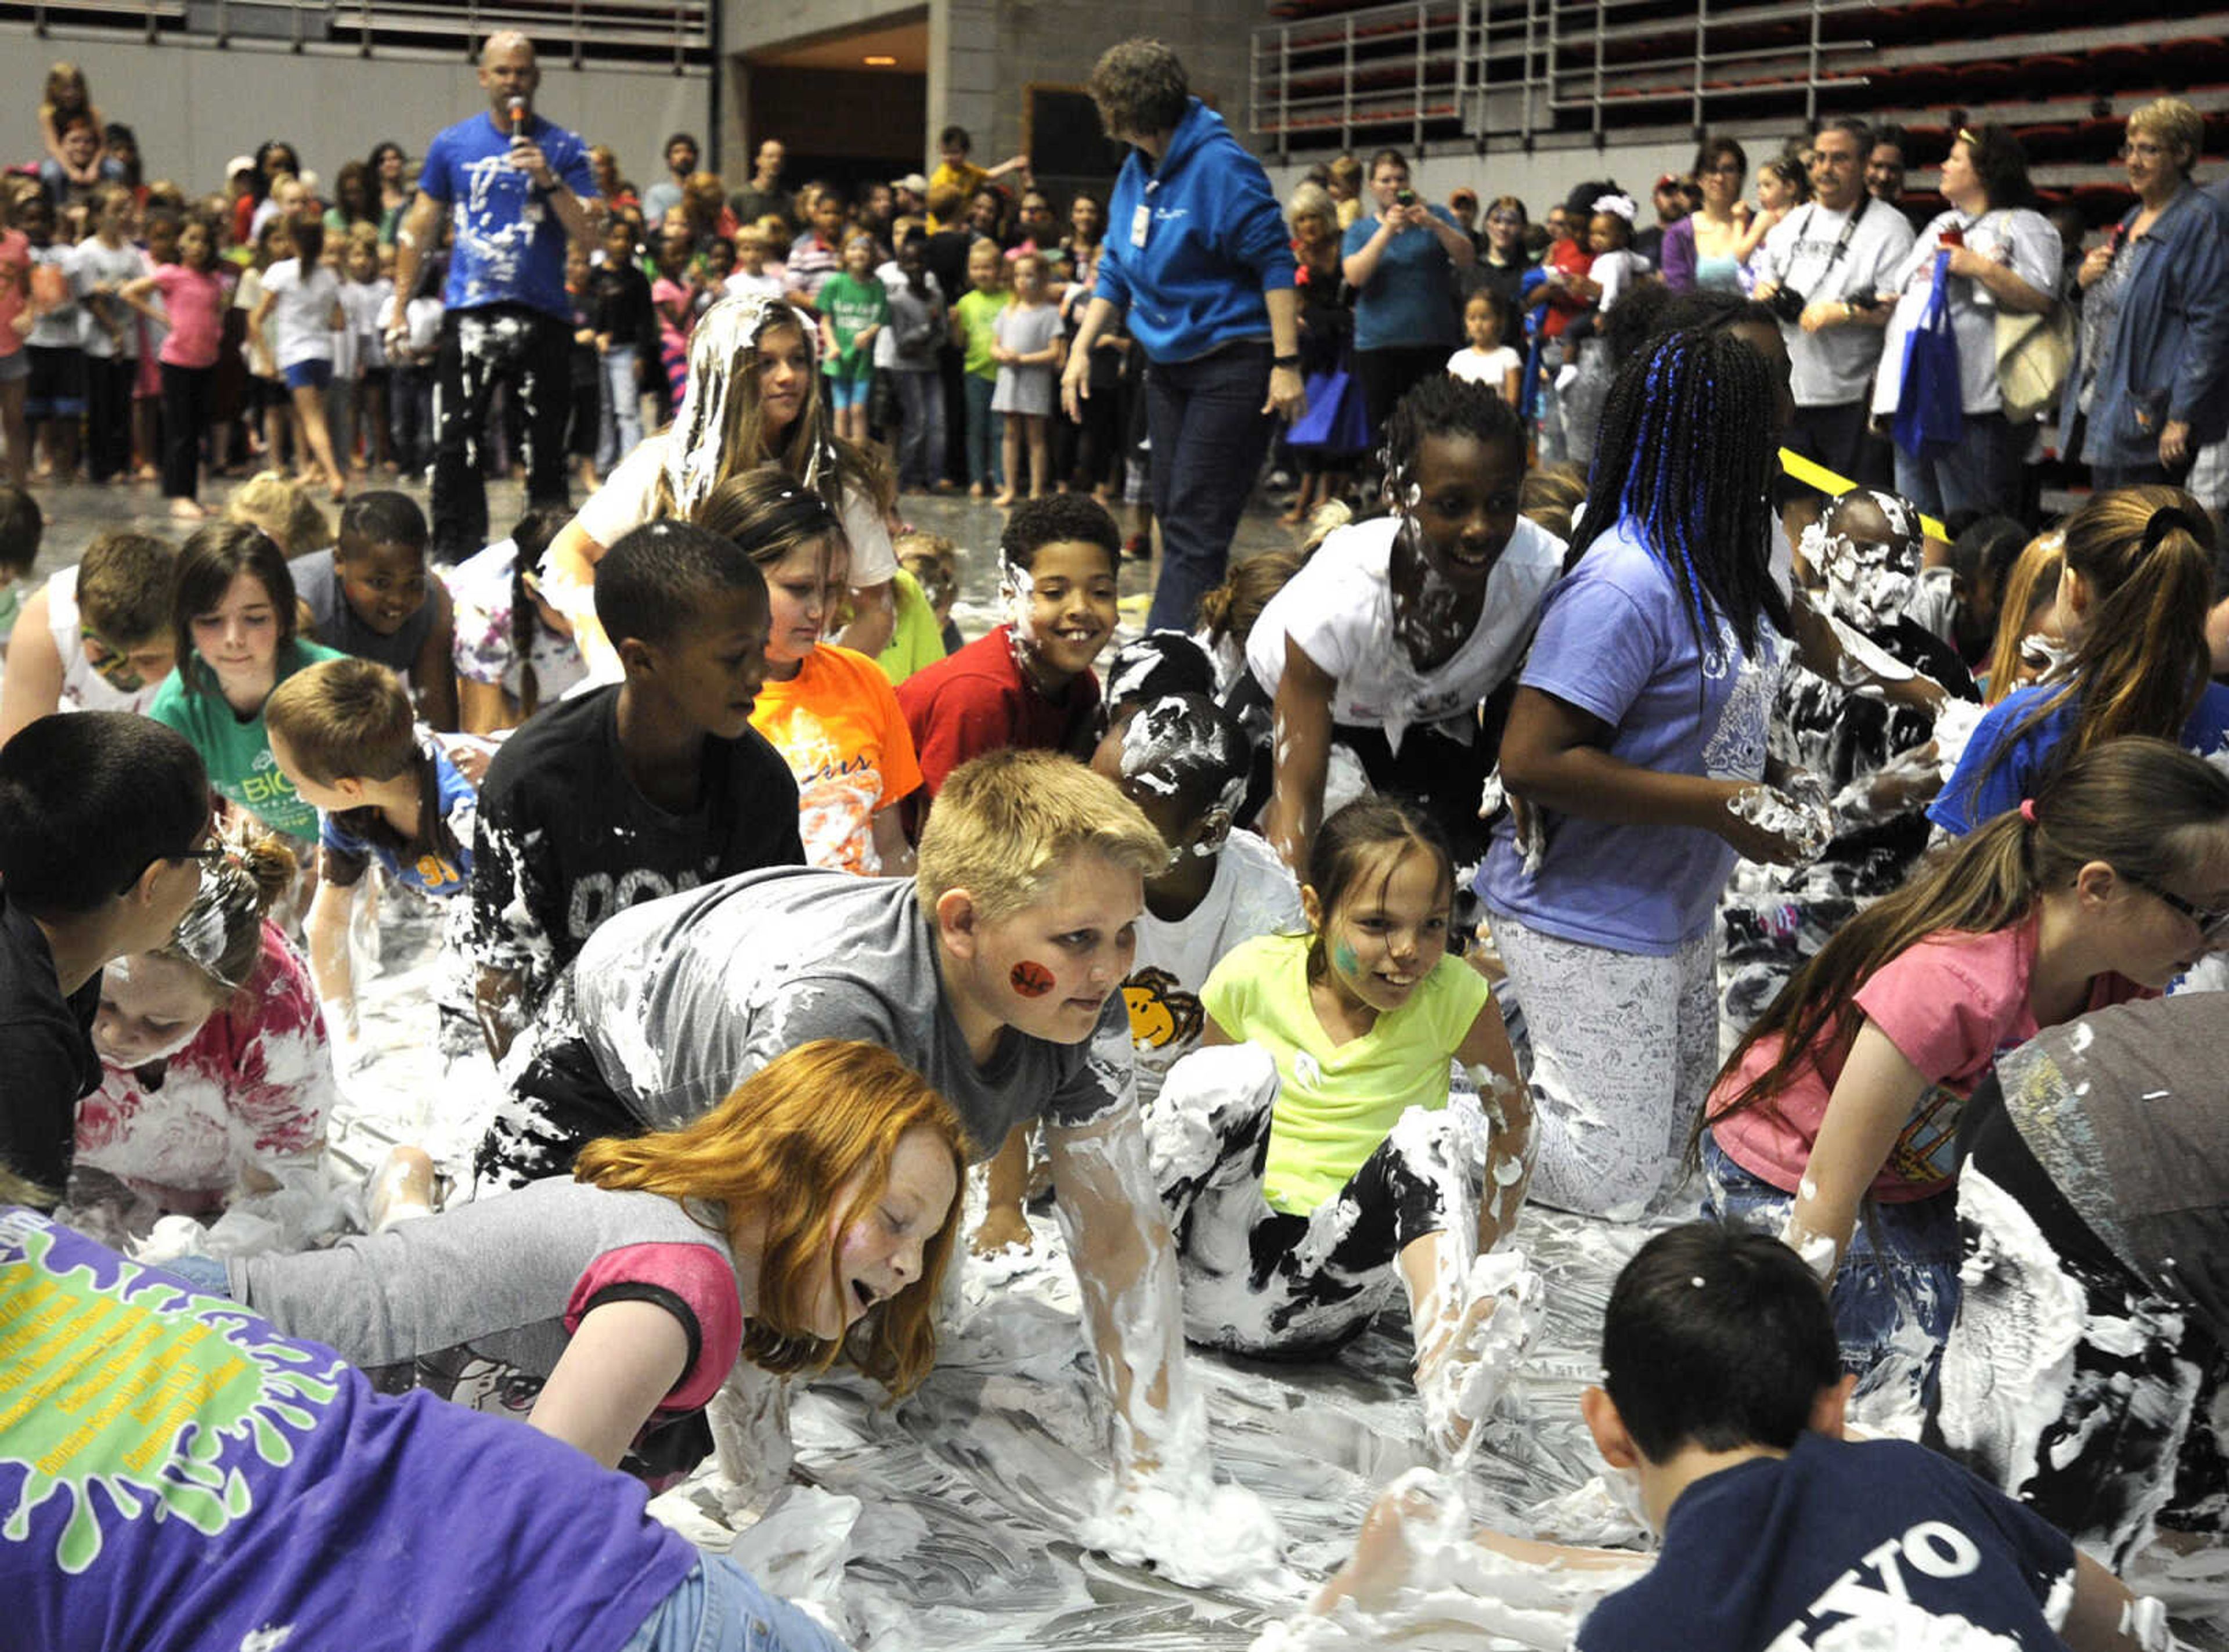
x,y
1141,218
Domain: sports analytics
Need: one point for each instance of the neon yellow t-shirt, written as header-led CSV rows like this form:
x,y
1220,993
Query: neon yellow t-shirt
x,y
978,320
917,639
1336,1103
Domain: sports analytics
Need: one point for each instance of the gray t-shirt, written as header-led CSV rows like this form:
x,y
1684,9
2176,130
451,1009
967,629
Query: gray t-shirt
x,y
494,1283
318,585
680,1000
1833,366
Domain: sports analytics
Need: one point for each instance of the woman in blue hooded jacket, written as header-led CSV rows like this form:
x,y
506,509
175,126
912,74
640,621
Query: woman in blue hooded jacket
x,y
2149,384
1199,255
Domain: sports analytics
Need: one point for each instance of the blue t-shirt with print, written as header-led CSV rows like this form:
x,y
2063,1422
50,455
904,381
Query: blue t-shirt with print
x,y
1971,797
1617,640
1774,1552
1410,298
438,872
175,1473
509,246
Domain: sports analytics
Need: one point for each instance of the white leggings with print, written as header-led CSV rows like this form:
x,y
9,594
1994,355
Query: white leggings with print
x,y
1624,1048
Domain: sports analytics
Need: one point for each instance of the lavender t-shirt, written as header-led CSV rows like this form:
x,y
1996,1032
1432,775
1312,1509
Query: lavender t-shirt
x,y
181,1474
1616,641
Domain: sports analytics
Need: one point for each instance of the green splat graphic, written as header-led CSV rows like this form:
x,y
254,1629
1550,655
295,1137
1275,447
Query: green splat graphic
x,y
140,1403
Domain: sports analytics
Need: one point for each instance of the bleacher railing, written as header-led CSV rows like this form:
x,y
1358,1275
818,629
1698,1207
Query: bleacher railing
x,y
673,34
1521,70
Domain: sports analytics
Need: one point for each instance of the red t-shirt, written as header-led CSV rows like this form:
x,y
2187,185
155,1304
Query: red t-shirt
x,y
15,286
1951,1005
1573,260
977,701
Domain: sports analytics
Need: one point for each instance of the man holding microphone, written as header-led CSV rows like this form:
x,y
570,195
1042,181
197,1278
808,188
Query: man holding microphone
x,y
516,187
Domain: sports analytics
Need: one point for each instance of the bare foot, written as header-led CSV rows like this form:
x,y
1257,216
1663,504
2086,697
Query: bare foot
x,y
975,490
1383,1558
1292,518
1003,1227
187,510
1003,500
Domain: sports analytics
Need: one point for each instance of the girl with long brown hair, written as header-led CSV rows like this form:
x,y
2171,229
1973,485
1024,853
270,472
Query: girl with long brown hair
x,y
2133,593
809,1215
2107,885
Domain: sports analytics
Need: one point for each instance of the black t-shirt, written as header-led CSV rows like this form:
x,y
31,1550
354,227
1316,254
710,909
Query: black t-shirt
x,y
618,303
565,841
946,254
46,1053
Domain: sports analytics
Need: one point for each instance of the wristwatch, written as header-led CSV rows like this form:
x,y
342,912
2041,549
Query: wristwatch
x,y
1284,360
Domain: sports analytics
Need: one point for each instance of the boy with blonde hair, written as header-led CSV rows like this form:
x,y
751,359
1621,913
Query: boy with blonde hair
x,y
993,975
342,731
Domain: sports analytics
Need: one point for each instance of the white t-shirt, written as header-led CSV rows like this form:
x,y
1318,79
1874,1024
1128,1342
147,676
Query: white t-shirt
x,y
1831,366
301,317
1491,368
2021,239
1339,609
64,326
766,286
363,304
1253,894
624,500
1614,272
98,266
83,688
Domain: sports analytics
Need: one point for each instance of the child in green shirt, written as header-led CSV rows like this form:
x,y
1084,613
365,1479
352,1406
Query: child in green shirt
x,y
974,328
853,308
236,616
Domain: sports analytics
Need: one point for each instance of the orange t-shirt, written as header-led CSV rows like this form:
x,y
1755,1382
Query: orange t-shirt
x,y
838,726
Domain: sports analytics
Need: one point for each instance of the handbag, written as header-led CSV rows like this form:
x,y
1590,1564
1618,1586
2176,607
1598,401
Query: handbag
x,y
1931,408
1337,419
2035,352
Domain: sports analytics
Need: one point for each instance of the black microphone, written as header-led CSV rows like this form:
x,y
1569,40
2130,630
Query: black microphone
x,y
517,121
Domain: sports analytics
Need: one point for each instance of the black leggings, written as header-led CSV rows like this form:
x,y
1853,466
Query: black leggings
x,y
1265,1281
1389,373
189,395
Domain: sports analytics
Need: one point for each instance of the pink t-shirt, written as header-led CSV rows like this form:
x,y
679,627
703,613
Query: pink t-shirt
x,y
1951,1005
15,286
195,301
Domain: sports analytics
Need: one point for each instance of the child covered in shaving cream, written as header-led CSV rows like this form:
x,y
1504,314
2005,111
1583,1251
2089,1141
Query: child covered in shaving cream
x,y
1722,1407
215,1074
1307,1170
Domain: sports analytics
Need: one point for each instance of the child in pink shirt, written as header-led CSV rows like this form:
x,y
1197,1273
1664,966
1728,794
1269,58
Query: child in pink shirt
x,y
15,366
2107,886
194,297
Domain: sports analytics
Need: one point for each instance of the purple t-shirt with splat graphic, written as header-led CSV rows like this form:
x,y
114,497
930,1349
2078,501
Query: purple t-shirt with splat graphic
x,y
175,1473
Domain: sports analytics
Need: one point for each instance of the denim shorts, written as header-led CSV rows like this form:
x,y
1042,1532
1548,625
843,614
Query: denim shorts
x,y
15,366
1896,1290
312,375
846,392
719,1608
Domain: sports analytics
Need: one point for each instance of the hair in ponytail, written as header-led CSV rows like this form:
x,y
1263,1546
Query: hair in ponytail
x,y
221,934
2139,804
2146,554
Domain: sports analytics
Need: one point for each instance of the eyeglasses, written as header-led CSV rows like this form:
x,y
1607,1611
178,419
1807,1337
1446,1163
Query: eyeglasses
x,y
2149,151
1504,218
1723,169
2209,922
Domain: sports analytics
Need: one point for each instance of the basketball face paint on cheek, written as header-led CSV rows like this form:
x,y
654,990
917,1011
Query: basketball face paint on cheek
x,y
1031,980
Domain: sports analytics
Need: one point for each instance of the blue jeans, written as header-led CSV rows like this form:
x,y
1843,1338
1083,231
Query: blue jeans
x,y
921,440
1896,1290
1981,473
621,432
1209,435
984,469
719,1608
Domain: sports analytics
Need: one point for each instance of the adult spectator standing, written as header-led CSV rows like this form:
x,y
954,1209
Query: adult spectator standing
x,y
2147,387
1672,208
1706,249
681,152
516,188
1401,263
1821,270
2004,257
763,196
1200,260
908,196
1884,164
1502,261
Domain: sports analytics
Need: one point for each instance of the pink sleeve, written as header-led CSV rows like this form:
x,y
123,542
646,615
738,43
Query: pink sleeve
x,y
283,1064
1948,1003
695,1284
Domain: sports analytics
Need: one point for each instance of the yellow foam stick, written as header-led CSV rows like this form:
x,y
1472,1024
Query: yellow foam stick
x,y
1813,474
